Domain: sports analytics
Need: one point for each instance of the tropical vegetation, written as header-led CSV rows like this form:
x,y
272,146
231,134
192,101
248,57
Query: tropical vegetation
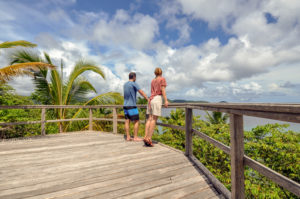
x,y
52,89
272,145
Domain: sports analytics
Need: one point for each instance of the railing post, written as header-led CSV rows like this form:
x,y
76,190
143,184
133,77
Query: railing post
x,y
43,121
90,120
188,131
115,121
237,156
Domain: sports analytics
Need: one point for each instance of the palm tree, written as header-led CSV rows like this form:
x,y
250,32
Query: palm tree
x,y
217,117
56,91
6,73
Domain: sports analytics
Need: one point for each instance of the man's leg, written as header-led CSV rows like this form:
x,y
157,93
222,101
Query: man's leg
x,y
152,126
127,127
136,130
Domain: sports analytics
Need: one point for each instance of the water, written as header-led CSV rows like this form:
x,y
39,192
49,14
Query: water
x,y
249,122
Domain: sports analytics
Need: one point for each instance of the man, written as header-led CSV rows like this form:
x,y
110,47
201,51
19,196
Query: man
x,y
130,110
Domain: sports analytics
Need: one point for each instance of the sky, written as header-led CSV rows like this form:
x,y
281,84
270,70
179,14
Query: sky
x,y
229,50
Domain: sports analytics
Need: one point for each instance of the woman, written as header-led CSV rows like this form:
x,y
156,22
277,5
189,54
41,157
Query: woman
x,y
158,93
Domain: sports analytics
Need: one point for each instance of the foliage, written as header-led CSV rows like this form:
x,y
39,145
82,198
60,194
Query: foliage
x,y
217,117
271,145
8,97
6,73
57,91
12,44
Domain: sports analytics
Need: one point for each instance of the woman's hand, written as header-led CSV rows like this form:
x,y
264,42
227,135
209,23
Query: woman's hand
x,y
166,103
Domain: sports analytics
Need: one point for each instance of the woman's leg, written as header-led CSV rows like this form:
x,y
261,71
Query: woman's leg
x,y
152,126
147,125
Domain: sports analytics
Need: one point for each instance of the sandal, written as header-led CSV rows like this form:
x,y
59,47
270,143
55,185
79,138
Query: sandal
x,y
148,142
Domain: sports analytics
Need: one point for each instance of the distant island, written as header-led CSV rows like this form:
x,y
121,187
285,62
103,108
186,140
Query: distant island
x,y
186,101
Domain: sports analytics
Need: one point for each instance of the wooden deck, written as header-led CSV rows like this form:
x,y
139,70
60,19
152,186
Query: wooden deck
x,y
97,165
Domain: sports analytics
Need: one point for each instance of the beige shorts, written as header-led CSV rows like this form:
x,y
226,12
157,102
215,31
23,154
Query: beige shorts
x,y
155,104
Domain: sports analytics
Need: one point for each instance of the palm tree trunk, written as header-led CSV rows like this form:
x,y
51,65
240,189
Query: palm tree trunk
x,y
60,128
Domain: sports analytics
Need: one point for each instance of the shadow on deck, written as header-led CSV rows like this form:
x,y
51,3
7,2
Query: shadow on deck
x,y
97,165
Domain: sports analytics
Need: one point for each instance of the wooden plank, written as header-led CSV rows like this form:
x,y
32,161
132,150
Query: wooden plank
x,y
216,183
91,169
115,121
85,154
188,132
98,169
101,176
150,192
50,148
268,107
67,120
279,179
103,119
182,192
288,117
214,142
209,192
18,123
90,119
137,184
107,181
172,105
236,156
43,118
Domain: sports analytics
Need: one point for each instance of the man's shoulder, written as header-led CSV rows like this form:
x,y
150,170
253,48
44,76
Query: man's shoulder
x,y
127,83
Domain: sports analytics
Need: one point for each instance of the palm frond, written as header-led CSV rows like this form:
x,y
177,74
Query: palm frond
x,y
56,86
8,72
23,56
79,89
47,57
80,67
42,94
12,44
105,98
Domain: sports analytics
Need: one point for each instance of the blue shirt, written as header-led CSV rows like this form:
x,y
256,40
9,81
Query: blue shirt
x,y
130,89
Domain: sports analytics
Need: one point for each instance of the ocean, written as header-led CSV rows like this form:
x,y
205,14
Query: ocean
x,y
249,122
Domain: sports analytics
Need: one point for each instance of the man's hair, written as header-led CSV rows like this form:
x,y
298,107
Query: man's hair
x,y
158,71
132,75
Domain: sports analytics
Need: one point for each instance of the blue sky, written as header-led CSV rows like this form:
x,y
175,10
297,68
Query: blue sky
x,y
232,50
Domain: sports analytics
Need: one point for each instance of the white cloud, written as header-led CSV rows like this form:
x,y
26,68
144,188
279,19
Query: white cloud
x,y
137,31
259,58
168,13
198,93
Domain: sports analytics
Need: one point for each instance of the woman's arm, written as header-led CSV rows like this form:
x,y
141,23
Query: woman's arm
x,y
163,89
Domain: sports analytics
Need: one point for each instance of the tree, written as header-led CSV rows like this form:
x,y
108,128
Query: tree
x,y
57,91
6,73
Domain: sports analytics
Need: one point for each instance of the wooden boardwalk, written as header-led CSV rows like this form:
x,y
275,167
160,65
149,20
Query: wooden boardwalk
x,y
97,165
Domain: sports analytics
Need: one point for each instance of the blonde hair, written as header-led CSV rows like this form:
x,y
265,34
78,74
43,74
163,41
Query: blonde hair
x,y
158,71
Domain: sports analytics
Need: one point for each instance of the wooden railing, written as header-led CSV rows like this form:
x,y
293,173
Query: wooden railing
x,y
282,112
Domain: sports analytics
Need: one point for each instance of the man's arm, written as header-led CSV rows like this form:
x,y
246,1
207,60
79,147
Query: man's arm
x,y
163,89
143,94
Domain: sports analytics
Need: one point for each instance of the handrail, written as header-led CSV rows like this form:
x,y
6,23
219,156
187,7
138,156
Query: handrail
x,y
283,112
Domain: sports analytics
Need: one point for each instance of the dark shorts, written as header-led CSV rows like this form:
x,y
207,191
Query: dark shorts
x,y
131,113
